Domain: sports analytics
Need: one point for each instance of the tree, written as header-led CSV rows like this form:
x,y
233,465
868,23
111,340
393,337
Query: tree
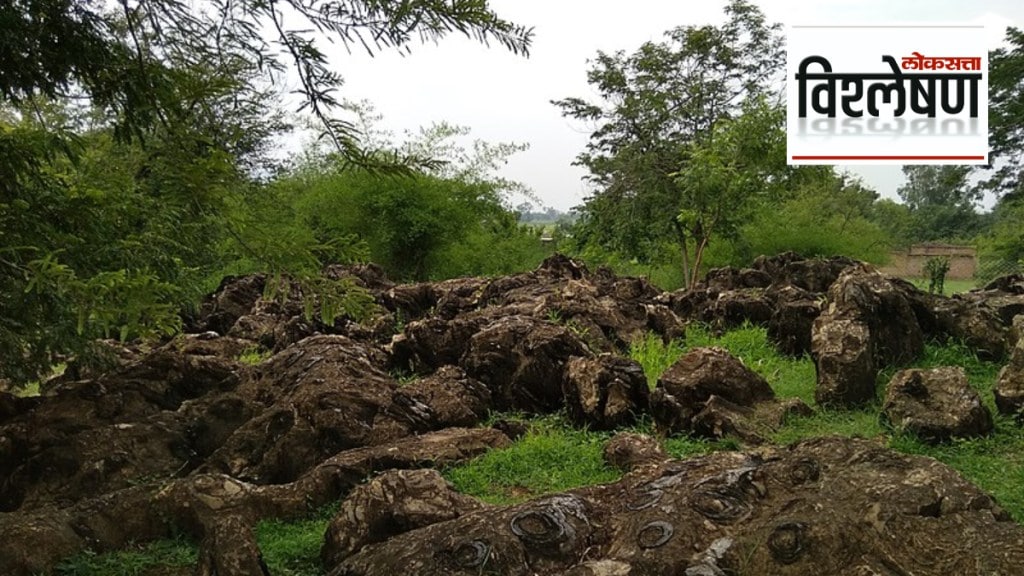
x,y
1006,116
129,136
727,176
940,201
655,105
895,220
128,59
1001,247
413,224
828,217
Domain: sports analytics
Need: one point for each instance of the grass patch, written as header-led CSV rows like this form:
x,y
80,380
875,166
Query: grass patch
x,y
132,561
293,548
552,457
788,377
949,287
654,355
254,355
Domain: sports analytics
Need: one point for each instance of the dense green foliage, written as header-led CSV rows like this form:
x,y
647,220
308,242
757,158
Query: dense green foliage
x,y
1006,111
656,106
134,159
825,218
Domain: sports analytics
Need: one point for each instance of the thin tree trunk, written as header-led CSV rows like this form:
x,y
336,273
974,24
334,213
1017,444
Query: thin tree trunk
x,y
698,256
686,263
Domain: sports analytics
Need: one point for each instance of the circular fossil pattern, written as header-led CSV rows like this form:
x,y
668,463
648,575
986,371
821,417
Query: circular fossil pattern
x,y
804,470
654,534
788,541
538,527
721,506
470,554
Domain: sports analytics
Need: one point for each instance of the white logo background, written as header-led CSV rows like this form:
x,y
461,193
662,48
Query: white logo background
x,y
912,138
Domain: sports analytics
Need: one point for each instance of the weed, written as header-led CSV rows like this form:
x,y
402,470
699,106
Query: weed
x,y
254,355
654,355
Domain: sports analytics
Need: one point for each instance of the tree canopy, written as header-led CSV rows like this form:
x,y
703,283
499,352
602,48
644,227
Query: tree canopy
x,y
655,105
131,132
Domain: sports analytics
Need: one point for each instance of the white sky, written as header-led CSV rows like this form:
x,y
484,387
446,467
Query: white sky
x,y
503,97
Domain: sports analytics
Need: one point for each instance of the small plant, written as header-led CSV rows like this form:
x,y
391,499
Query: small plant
x,y
654,355
404,376
554,316
936,268
253,355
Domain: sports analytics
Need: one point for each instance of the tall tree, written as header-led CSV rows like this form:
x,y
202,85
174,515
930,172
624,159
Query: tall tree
x,y
941,202
727,176
654,105
1006,116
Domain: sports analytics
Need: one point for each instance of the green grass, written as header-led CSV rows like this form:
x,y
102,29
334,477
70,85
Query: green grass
x,y
654,355
789,377
293,548
132,561
254,355
552,457
949,287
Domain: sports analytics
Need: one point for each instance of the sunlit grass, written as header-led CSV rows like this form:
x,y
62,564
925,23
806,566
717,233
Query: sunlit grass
x,y
553,456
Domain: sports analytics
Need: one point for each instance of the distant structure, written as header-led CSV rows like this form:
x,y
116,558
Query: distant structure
x,y
909,263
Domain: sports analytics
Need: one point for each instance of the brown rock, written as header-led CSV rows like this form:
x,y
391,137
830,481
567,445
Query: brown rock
x,y
392,503
522,360
790,325
936,405
604,392
752,425
830,507
1009,390
627,450
700,374
842,358
867,325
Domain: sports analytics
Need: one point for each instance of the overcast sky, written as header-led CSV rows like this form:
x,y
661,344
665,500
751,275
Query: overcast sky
x,y
503,97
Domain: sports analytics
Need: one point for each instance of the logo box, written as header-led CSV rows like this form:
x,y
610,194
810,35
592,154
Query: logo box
x,y
887,94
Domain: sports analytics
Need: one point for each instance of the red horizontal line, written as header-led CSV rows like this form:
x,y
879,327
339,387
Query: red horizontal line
x,y
888,157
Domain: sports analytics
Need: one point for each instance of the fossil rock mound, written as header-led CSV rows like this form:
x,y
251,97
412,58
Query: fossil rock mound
x,y
827,506
199,435
936,405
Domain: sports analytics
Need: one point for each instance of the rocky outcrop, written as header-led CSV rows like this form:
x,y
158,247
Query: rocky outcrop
x,y
829,507
200,436
687,385
935,405
868,324
792,319
720,418
393,503
628,450
604,392
1009,390
712,394
522,360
